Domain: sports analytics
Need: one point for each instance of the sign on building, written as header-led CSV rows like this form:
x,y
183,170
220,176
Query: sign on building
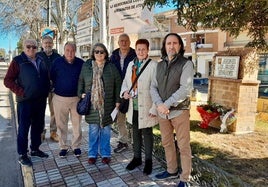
x,y
85,24
129,16
227,66
84,32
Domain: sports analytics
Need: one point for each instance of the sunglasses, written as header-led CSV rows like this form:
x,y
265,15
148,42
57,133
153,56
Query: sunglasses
x,y
31,46
99,51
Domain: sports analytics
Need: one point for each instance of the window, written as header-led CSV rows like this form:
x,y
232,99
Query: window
x,y
200,38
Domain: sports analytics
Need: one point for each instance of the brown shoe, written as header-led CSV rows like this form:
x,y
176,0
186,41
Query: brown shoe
x,y
91,160
54,136
43,135
106,160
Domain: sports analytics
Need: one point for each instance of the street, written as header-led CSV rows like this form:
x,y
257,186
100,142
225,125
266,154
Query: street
x,y
10,170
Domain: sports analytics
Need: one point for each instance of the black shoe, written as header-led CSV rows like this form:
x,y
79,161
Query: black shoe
x,y
77,152
148,167
24,160
39,153
121,147
135,162
63,153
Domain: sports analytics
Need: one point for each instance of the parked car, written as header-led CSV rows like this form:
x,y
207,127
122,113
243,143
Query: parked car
x,y
2,59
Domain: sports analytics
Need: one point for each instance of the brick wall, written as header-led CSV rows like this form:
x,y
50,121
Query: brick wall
x,y
240,95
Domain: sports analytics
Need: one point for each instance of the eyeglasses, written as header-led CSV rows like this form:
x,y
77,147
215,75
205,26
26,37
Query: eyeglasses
x,y
99,51
31,46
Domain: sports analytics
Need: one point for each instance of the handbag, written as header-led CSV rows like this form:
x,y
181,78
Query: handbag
x,y
84,104
123,107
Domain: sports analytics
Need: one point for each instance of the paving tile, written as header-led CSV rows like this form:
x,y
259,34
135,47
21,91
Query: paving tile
x,y
57,183
72,171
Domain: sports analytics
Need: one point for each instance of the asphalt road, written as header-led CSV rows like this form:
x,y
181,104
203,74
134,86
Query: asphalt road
x,y
10,170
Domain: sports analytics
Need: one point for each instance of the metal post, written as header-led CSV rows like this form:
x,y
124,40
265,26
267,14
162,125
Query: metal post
x,y
103,24
48,12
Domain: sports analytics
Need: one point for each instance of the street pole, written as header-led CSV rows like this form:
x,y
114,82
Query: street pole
x,y
103,23
48,12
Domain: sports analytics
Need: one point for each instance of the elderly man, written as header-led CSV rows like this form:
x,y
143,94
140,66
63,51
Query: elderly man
x,y
120,58
49,55
27,77
64,74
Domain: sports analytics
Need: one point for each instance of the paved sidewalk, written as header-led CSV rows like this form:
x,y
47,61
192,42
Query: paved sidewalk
x,y
72,171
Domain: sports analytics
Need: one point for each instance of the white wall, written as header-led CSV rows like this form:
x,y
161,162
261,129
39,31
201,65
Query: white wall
x,y
203,64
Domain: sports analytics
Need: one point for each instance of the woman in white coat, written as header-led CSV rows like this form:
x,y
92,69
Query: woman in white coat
x,y
142,112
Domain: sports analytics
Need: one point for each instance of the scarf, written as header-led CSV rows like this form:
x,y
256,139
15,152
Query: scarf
x,y
97,92
135,72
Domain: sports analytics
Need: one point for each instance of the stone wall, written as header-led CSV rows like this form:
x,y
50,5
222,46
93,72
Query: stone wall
x,y
240,94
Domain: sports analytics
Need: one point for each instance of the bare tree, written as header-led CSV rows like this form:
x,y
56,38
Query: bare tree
x,y
22,16
27,17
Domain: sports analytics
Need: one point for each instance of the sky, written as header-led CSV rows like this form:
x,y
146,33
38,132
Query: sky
x,y
13,39
5,40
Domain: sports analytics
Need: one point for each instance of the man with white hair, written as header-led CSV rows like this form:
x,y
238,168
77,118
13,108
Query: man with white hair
x,y
27,77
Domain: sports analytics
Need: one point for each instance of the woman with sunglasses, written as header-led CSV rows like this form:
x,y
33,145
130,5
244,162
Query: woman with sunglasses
x,y
102,79
142,112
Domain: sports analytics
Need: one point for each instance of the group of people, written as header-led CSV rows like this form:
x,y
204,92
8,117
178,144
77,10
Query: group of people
x,y
161,95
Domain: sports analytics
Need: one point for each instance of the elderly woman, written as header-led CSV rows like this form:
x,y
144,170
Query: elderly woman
x,y
103,80
142,111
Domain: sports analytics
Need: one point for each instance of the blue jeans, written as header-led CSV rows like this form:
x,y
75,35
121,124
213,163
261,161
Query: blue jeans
x,y
99,141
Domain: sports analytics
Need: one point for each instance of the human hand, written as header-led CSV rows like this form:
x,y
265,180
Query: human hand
x,y
83,95
162,108
151,115
126,95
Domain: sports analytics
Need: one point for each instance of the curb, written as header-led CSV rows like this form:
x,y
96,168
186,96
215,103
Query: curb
x,y
27,172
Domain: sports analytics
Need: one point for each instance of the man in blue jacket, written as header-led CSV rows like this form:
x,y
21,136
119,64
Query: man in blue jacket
x,y
64,74
121,58
27,77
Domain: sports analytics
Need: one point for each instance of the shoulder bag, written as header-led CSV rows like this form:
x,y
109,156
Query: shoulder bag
x,y
123,108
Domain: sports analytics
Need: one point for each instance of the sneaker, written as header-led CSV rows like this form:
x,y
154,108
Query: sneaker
x,y
63,153
24,160
77,152
54,136
105,160
166,175
121,147
183,184
91,160
39,153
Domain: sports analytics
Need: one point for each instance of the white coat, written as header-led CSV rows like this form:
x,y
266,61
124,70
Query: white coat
x,y
145,104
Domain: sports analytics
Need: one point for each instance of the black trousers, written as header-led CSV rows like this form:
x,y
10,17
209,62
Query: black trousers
x,y
141,137
31,114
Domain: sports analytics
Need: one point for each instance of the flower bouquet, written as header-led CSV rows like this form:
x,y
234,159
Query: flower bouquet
x,y
210,112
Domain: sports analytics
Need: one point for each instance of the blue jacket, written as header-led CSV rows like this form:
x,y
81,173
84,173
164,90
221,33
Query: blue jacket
x,y
115,59
49,59
64,76
35,83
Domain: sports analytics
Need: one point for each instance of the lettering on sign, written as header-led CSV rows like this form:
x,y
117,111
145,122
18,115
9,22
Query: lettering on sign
x,y
227,66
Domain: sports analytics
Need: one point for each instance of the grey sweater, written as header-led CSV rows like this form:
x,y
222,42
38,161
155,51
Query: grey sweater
x,y
181,78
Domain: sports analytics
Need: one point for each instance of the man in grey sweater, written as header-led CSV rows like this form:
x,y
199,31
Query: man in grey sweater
x,y
170,91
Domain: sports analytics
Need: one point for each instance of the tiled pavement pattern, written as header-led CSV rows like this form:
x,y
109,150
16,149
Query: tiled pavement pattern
x,y
72,171
76,172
